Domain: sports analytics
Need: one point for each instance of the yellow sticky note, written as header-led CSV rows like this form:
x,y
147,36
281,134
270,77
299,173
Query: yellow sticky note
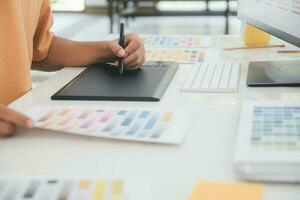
x,y
206,190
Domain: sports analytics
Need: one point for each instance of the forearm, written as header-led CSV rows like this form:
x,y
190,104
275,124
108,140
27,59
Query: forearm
x,y
65,53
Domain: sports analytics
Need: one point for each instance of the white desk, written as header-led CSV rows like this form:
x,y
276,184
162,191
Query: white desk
x,y
206,153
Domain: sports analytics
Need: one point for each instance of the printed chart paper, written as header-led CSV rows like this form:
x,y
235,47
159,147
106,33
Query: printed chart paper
x,y
268,133
74,189
177,41
175,55
161,126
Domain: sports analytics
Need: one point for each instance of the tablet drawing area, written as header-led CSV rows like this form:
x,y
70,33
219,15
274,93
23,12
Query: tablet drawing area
x,y
102,82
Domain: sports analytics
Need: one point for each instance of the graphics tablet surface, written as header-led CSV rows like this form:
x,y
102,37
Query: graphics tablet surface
x,y
102,82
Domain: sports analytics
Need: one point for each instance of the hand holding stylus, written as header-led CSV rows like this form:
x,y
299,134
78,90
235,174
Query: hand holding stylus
x,y
133,54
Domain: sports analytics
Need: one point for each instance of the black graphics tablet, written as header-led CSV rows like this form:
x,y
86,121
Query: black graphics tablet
x,y
103,82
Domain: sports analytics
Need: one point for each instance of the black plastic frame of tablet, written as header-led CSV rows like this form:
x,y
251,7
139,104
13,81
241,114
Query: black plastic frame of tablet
x,y
274,74
102,82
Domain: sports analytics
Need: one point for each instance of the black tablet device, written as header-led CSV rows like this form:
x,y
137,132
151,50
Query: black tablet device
x,y
103,82
274,73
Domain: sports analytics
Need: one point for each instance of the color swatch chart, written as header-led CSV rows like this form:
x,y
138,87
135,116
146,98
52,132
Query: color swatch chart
x,y
276,128
175,55
161,126
176,41
68,189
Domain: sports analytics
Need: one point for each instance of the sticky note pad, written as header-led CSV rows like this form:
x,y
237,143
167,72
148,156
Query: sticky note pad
x,y
207,190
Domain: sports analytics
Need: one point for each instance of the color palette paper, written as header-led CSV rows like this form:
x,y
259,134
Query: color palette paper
x,y
276,128
176,41
175,55
207,190
72,189
164,126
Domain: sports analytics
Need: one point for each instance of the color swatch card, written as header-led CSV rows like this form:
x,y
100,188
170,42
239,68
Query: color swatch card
x,y
208,190
177,41
175,55
269,138
161,126
272,127
73,189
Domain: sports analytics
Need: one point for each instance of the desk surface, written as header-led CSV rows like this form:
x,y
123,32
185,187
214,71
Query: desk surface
x,y
206,153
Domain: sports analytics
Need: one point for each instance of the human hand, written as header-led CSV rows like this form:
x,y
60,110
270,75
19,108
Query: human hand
x,y
9,119
134,53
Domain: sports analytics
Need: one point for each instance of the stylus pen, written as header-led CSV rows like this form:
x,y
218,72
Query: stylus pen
x,y
122,44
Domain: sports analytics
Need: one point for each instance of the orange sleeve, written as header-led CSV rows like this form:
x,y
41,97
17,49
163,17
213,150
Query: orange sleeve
x,y
43,36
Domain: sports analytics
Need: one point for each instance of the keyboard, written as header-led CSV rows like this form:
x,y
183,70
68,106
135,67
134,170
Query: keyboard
x,y
213,77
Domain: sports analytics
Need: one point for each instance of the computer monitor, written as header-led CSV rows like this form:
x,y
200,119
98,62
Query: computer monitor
x,y
280,18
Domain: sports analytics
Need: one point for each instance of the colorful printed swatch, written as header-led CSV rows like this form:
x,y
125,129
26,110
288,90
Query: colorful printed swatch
x,y
128,124
276,128
176,41
175,55
71,189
